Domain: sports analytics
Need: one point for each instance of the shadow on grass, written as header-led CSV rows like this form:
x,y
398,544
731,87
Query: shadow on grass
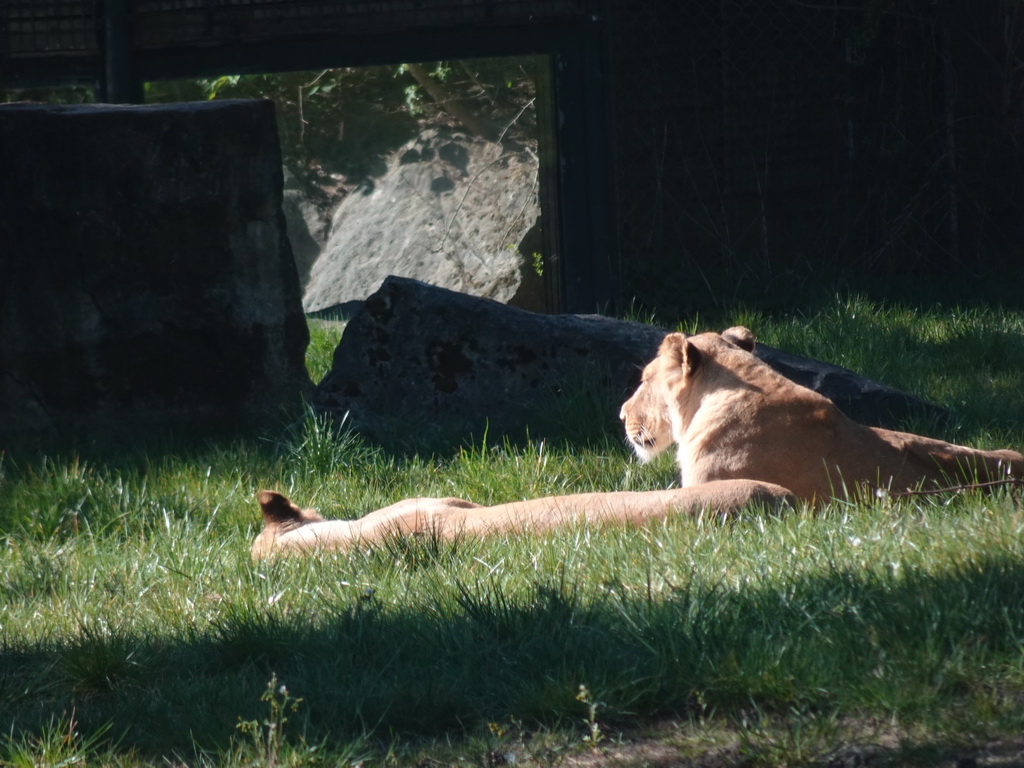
x,y
876,643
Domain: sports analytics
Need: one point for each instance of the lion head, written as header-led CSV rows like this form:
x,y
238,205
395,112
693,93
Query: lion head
x,y
666,382
731,416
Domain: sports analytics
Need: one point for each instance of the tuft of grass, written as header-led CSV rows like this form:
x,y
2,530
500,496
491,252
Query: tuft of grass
x,y
319,446
59,744
324,336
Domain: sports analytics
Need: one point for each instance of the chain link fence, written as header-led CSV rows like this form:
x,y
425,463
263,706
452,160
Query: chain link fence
x,y
766,147
42,27
38,27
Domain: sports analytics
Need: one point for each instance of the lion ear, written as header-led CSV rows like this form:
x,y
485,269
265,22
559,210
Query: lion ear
x,y
680,352
280,512
740,336
691,357
671,347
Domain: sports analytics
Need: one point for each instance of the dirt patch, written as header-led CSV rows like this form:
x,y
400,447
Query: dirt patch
x,y
689,744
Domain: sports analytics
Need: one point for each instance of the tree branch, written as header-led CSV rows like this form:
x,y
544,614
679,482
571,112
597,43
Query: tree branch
x,y
450,103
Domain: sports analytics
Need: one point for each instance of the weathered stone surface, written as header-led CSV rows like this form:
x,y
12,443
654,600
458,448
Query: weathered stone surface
x,y
450,210
308,225
146,275
420,359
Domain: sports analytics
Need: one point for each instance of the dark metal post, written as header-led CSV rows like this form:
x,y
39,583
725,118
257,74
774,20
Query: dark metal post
x,y
119,85
579,86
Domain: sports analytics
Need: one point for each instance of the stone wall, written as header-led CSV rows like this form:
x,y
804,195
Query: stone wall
x,y
147,278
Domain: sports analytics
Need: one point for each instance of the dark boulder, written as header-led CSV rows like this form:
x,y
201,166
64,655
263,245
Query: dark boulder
x,y
432,364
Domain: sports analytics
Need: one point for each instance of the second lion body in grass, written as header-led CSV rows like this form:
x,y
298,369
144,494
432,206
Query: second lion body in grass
x,y
731,416
289,528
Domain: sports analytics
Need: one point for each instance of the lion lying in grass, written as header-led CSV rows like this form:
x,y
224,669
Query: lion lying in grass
x,y
287,528
732,416
745,436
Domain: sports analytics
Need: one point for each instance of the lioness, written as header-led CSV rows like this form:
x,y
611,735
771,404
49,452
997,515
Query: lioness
x,y
745,436
287,528
732,416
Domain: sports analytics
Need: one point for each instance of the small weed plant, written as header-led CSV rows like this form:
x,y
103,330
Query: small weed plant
x,y
267,735
594,735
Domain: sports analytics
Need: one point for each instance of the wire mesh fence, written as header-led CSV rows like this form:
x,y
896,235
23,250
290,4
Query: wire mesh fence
x,y
38,27
755,145
765,145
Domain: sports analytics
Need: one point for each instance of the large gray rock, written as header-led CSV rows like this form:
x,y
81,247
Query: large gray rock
x,y
431,363
450,210
146,275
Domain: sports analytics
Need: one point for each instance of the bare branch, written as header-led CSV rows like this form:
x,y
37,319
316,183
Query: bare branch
x,y
450,103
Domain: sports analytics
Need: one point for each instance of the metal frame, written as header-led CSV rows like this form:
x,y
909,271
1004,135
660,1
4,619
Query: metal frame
x,y
570,34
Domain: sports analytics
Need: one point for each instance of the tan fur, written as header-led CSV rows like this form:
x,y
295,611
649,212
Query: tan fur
x,y
287,528
732,416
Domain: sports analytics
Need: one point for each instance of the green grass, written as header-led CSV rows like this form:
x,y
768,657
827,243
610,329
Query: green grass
x,y
134,630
